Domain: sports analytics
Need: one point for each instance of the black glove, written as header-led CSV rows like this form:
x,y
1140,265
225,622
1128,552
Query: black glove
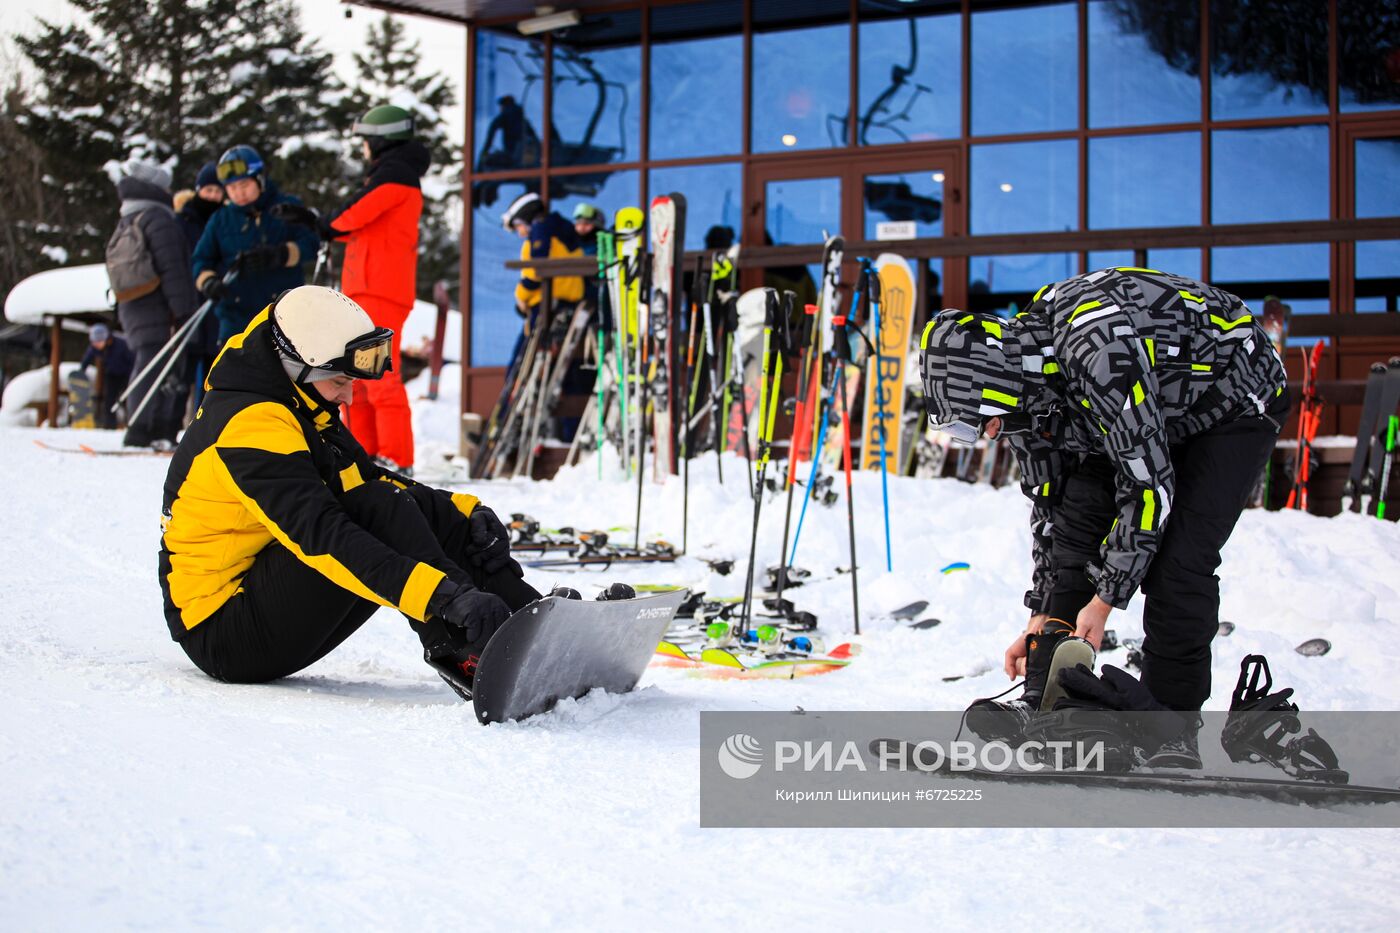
x,y
490,542
213,288
297,214
1116,689
263,258
467,608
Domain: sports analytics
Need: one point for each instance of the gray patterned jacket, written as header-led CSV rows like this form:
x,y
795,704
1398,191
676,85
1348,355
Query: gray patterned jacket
x,y
1127,362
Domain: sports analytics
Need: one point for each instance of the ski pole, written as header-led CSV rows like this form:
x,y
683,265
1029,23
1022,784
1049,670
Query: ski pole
x,y
187,333
804,337
769,313
873,288
841,351
642,336
605,258
692,373
717,263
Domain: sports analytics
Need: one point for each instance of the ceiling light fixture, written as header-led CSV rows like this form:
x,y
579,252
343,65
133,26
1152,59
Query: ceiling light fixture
x,y
789,139
547,20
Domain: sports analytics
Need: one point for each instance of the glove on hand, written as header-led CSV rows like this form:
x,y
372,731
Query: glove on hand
x,y
263,258
477,614
490,542
213,288
1116,689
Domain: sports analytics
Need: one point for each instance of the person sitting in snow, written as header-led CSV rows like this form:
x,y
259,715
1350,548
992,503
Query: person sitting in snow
x,y
1140,406
281,536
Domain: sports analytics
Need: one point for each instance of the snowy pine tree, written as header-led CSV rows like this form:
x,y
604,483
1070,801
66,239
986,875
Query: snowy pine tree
x,y
388,71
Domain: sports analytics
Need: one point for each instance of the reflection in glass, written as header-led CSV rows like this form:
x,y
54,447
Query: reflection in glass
x,y
910,196
495,324
509,115
803,210
1267,60
1296,272
712,197
696,87
1377,275
1025,187
1025,69
609,194
1269,175
1368,62
910,80
1144,62
801,79
1006,283
1145,181
1185,262
1377,195
597,94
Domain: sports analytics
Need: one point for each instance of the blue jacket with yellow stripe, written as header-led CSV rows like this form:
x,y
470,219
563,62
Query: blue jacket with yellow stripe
x,y
264,462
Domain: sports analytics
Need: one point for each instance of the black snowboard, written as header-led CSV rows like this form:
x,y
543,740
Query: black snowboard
x,y
556,648
1287,789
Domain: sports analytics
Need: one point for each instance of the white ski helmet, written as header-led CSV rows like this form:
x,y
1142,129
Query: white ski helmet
x,y
523,209
329,335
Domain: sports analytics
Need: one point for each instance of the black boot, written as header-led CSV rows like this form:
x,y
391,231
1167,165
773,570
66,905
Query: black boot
x,y
1180,752
566,592
617,591
1005,720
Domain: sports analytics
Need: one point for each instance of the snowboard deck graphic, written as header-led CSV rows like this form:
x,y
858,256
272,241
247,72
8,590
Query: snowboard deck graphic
x,y
1284,790
724,664
558,648
884,390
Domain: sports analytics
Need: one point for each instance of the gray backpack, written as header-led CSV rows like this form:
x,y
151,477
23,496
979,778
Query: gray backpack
x,y
129,266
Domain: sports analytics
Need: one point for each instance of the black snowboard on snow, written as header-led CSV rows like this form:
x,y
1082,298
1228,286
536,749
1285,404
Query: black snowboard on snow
x,y
1184,782
558,648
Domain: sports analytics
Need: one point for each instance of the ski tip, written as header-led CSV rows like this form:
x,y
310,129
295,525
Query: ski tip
x,y
844,650
955,567
671,650
720,657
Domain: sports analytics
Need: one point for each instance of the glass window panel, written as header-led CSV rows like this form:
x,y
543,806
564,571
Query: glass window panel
x,y
1377,275
801,81
713,195
1185,262
509,114
1145,181
495,325
1269,175
1267,60
1296,272
910,80
908,196
596,104
1025,187
696,93
1025,70
801,210
1378,177
1005,284
1144,62
1368,61
607,191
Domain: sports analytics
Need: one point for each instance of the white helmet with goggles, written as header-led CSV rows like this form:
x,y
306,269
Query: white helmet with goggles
x,y
321,334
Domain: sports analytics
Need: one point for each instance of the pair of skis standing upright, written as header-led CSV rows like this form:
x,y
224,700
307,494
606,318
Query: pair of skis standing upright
x,y
1377,442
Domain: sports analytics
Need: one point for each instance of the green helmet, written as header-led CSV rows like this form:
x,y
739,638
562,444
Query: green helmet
x,y
385,122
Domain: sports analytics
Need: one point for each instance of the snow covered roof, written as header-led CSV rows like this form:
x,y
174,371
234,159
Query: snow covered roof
x,y
74,290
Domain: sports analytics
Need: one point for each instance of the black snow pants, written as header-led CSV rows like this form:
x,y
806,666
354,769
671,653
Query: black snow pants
x,y
288,616
1215,474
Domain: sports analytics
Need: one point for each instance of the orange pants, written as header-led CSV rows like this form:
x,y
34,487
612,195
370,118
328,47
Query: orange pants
x,y
380,418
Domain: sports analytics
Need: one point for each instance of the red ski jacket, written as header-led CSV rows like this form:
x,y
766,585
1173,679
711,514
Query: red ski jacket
x,y
380,226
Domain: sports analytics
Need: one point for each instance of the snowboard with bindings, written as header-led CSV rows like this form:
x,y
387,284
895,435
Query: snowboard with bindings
x,y
733,663
557,648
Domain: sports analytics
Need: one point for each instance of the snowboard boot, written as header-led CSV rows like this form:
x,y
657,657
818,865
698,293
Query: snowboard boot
x,y
566,592
616,591
454,661
1005,720
1180,752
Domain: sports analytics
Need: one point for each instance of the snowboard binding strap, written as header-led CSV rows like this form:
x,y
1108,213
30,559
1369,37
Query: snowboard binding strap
x,y
1260,722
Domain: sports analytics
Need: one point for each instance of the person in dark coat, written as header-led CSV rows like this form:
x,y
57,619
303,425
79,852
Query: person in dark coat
x,y
149,320
245,233
194,209
114,361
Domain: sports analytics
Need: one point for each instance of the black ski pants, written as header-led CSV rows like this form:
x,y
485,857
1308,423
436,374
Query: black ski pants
x,y
1215,474
288,616
164,414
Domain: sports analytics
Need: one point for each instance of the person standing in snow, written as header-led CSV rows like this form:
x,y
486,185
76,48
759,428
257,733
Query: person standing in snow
x,y
281,536
1140,406
114,361
247,235
380,226
194,208
148,263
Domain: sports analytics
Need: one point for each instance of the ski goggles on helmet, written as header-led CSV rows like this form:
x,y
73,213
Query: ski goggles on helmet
x,y
234,169
367,357
959,431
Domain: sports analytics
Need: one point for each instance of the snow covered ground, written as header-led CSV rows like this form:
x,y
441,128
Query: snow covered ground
x,y
362,793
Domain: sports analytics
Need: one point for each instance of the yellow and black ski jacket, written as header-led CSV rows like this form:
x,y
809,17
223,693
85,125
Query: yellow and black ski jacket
x,y
264,462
